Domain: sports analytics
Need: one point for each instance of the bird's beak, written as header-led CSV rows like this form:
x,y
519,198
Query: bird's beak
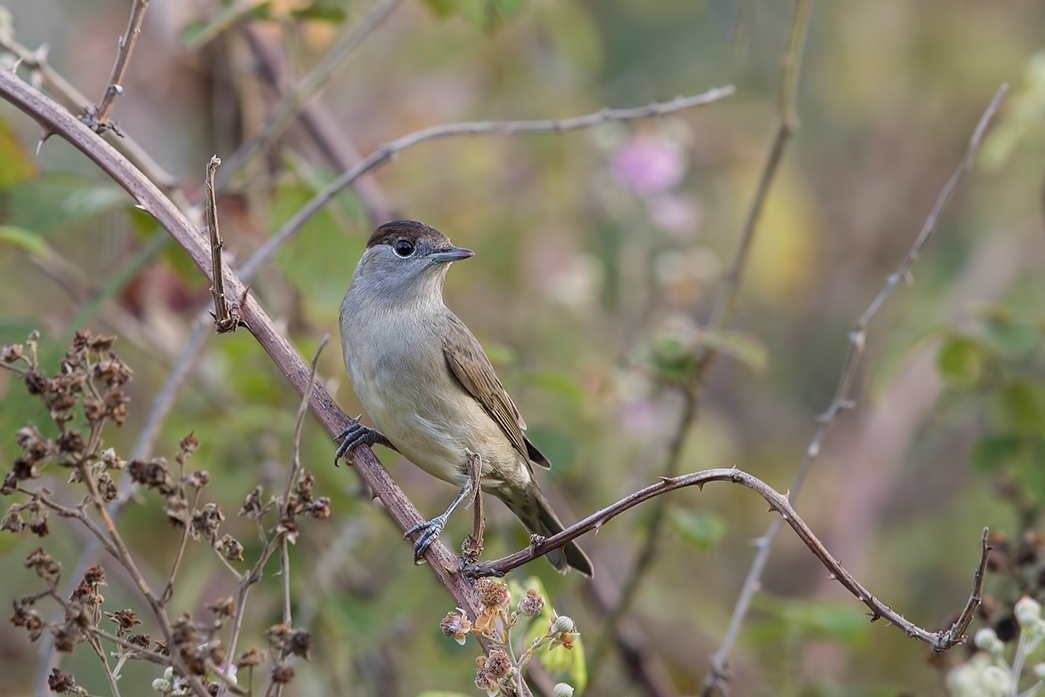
x,y
452,254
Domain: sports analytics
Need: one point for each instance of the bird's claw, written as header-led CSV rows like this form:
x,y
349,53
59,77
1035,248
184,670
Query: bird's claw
x,y
429,533
355,435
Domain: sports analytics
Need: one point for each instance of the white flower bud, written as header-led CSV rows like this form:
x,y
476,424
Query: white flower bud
x,y
1027,611
988,640
996,680
562,625
160,685
562,690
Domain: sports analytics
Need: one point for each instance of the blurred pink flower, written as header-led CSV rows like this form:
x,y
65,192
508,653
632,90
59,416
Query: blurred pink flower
x,y
678,215
640,417
648,166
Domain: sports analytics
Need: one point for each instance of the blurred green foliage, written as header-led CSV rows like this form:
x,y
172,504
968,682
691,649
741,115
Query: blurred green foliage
x,y
589,290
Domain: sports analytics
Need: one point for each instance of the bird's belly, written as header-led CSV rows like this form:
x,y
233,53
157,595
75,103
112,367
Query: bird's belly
x,y
437,433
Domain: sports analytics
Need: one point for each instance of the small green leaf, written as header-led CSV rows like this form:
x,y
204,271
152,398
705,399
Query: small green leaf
x,y
485,14
837,621
701,530
560,384
1014,339
1019,406
316,12
961,361
26,239
673,359
197,34
992,452
743,347
567,663
1029,471
15,164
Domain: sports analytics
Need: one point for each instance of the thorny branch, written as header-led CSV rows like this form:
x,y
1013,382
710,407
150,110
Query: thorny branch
x,y
842,399
938,641
97,116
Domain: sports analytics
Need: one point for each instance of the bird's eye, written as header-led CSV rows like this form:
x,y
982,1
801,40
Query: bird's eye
x,y
403,248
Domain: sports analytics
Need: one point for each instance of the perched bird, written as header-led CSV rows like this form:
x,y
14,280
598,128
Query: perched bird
x,y
428,386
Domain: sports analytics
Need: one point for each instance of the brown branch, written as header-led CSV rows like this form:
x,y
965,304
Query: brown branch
x,y
938,641
97,115
841,401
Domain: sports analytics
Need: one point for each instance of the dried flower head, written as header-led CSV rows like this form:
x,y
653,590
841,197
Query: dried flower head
x,y
456,625
498,663
532,603
492,593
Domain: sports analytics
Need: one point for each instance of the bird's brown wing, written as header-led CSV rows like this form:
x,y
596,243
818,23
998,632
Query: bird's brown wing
x,y
469,364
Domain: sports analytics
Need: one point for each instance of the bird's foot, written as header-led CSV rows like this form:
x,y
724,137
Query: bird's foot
x,y
429,533
357,434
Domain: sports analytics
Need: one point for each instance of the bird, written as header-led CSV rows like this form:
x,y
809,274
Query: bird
x,y
429,387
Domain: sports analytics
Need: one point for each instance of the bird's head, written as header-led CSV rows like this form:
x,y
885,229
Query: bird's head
x,y
406,261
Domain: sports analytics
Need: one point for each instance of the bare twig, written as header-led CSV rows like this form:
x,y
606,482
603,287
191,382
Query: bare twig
x,y
311,83
226,316
387,152
97,115
75,101
938,641
97,646
841,400
726,295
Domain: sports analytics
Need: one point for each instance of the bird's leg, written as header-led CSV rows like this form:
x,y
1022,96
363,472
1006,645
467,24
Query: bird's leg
x,y
430,530
473,544
357,434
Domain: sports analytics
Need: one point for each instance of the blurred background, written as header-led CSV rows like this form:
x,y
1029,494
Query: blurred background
x,y
598,256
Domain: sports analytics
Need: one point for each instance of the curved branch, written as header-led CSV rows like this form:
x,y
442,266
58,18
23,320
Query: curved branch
x,y
841,401
938,641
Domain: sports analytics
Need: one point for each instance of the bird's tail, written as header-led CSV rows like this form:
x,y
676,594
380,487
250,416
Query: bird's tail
x,y
536,514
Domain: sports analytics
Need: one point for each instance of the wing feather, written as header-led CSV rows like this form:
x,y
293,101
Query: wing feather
x,y
468,362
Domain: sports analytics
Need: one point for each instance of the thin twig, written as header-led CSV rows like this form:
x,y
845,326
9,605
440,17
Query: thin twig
x,y
938,641
93,641
97,115
183,541
308,86
725,297
473,128
226,317
75,101
841,400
